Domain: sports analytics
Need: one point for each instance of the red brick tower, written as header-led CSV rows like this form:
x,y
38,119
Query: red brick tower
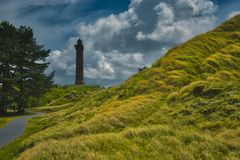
x,y
79,62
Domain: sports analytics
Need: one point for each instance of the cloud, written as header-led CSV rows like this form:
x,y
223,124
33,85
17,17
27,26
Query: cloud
x,y
172,28
53,21
63,63
232,14
117,45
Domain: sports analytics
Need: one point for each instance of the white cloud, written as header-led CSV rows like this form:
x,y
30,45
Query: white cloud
x,y
91,73
113,65
165,12
198,17
232,14
107,28
106,68
198,7
117,45
63,63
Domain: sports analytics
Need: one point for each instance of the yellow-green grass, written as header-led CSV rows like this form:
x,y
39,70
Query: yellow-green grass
x,y
186,106
155,142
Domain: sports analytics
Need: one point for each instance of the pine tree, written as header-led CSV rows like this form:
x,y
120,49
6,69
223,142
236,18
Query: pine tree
x,y
30,66
7,49
22,63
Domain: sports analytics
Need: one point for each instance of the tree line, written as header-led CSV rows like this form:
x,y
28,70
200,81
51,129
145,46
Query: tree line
x,y
22,68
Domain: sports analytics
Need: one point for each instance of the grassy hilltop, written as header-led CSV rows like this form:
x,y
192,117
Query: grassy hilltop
x,y
186,106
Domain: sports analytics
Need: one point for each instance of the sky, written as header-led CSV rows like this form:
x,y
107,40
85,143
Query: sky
x,y
119,36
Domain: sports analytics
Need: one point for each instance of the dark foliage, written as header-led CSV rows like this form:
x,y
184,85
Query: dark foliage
x,y
22,66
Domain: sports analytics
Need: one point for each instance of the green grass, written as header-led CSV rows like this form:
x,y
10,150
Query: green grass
x,y
155,142
186,106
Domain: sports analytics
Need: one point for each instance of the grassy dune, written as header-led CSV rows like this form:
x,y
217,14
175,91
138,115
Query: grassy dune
x,y
186,106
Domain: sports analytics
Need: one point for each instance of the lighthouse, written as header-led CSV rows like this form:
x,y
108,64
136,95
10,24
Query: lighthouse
x,y
79,62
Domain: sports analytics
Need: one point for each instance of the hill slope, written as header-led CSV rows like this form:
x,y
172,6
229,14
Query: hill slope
x,y
186,106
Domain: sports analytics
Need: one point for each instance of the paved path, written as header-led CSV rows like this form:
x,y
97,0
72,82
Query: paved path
x,y
14,129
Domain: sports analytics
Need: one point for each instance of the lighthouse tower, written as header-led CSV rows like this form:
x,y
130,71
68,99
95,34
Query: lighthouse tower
x,y
79,62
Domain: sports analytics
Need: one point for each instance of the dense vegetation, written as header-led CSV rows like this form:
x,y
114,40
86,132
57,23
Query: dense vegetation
x,y
186,106
22,66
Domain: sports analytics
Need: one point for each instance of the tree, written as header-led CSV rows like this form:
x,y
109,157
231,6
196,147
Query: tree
x,y
30,66
7,50
26,75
